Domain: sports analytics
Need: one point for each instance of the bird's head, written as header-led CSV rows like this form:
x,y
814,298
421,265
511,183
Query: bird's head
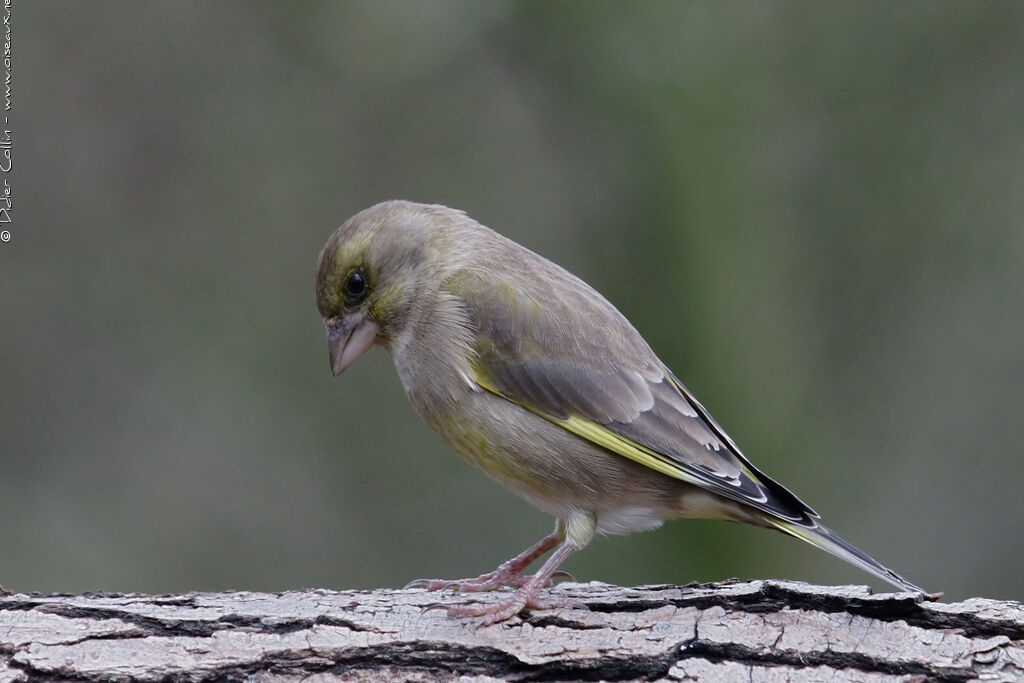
x,y
375,273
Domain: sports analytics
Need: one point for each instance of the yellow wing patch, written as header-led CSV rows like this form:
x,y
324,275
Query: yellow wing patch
x,y
602,436
606,438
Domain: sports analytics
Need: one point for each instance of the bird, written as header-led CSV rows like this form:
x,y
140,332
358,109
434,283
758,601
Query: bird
x,y
537,380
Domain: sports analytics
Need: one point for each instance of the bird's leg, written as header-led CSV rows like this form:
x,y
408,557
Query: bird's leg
x,y
577,529
507,574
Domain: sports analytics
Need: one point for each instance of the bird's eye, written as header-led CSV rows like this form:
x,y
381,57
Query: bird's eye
x,y
356,286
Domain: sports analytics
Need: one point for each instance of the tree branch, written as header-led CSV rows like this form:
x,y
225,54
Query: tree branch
x,y
760,630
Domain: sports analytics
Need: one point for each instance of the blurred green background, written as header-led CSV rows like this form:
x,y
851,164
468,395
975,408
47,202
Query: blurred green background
x,y
813,211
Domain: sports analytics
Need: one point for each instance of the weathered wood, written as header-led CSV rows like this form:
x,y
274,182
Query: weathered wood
x,y
760,630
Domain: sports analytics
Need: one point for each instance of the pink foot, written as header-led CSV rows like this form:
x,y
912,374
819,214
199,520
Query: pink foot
x,y
508,574
505,609
485,582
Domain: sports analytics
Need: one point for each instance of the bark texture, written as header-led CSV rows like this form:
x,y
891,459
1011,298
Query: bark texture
x,y
759,630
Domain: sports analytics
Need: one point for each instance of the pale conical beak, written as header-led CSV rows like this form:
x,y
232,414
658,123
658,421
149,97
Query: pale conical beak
x,y
348,341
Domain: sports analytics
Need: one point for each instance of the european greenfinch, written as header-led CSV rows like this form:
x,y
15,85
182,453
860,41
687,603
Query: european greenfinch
x,y
538,381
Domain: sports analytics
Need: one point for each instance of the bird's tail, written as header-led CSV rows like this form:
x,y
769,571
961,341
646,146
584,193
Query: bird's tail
x,y
824,538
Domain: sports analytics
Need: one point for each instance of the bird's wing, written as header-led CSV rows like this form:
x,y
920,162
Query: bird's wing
x,y
548,342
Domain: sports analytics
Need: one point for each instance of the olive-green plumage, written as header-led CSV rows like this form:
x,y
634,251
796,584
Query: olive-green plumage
x,y
542,384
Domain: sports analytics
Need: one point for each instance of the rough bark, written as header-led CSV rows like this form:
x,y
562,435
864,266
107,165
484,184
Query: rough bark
x,y
760,630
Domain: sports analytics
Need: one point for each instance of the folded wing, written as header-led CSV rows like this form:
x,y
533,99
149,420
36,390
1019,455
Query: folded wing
x,y
569,356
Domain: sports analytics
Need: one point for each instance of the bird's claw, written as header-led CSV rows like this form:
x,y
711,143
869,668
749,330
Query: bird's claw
x,y
565,576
